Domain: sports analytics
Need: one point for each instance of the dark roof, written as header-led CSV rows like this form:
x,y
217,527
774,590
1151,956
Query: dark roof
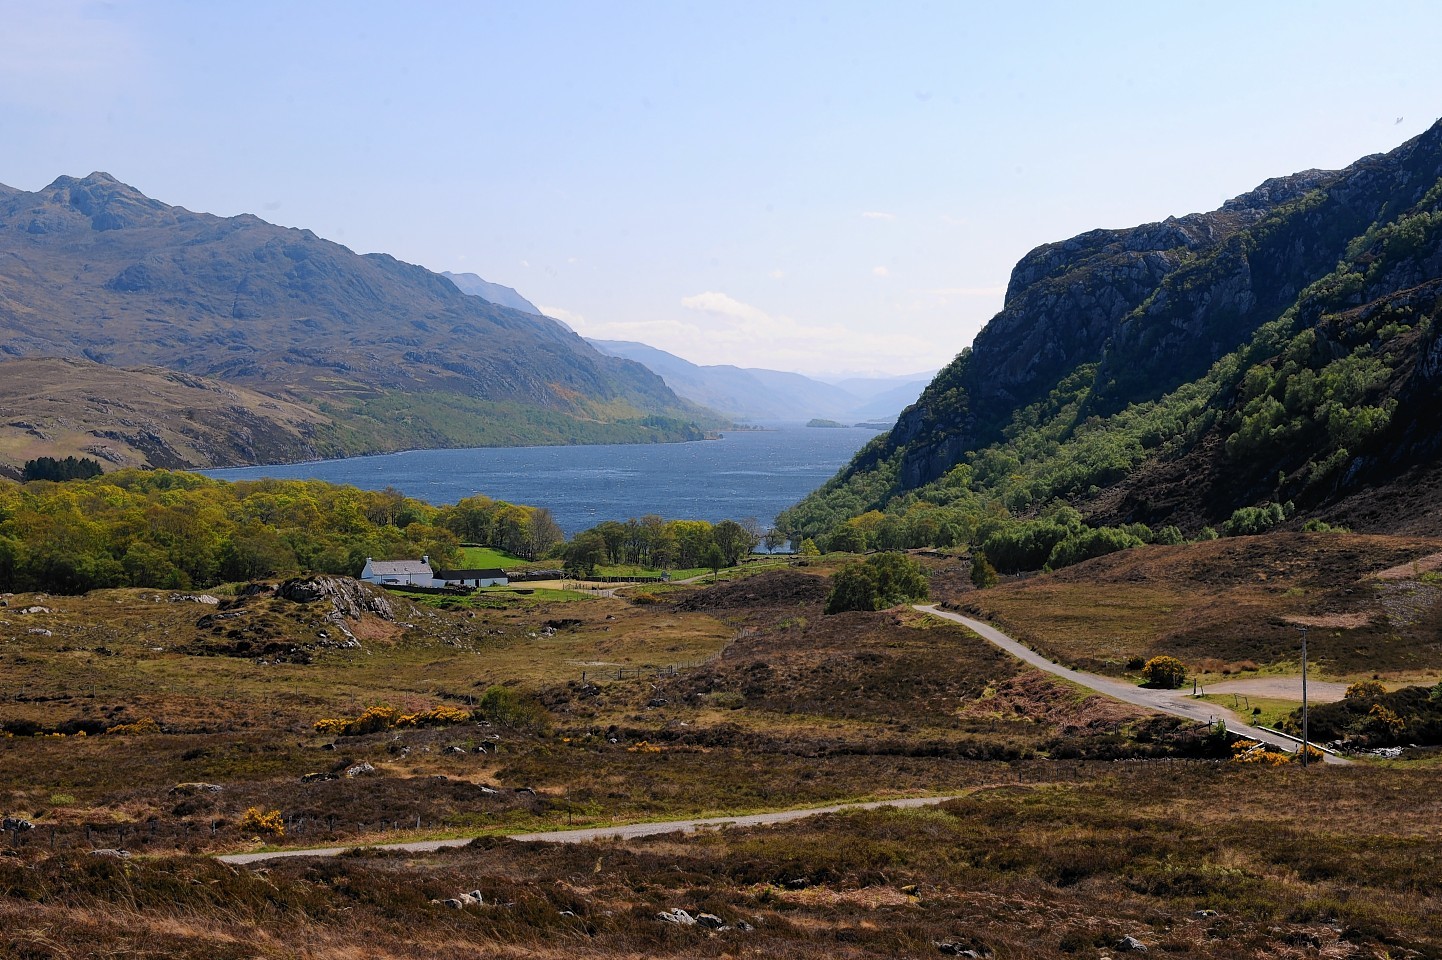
x,y
490,573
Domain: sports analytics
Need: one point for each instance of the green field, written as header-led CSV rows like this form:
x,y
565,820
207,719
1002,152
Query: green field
x,y
484,558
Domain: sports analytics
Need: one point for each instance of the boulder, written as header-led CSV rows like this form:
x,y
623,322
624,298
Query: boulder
x,y
1131,945
191,789
360,770
349,599
16,824
710,921
677,916
318,777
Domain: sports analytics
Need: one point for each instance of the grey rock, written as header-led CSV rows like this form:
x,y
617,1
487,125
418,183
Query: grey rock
x,y
190,789
16,824
318,777
360,770
349,599
710,921
1131,945
677,916
111,852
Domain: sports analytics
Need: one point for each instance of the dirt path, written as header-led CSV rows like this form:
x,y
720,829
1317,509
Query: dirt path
x,y
1165,701
1282,688
624,832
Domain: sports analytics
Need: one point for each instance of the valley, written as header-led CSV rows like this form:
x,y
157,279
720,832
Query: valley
x,y
1025,680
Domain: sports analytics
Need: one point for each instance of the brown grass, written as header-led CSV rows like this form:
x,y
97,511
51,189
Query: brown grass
x,y
1228,601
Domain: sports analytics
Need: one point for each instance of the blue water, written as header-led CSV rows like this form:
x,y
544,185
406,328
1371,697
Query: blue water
x,y
744,474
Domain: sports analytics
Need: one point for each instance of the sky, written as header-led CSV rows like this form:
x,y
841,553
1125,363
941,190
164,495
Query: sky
x,y
830,188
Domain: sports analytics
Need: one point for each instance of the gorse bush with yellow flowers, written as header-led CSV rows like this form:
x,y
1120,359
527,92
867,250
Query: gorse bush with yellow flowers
x,y
378,718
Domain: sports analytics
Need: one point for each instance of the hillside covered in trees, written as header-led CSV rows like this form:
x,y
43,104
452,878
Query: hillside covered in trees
x,y
1275,362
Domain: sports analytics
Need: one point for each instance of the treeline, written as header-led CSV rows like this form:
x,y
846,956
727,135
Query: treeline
x,y
50,468
158,528
654,542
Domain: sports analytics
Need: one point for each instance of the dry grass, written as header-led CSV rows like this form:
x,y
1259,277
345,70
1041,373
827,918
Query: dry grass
x,y
1346,861
1049,855
1229,602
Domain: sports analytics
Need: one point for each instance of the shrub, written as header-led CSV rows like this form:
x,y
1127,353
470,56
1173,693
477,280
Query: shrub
x,y
441,716
1247,521
983,574
1365,690
1166,672
263,821
1086,544
513,709
373,720
876,583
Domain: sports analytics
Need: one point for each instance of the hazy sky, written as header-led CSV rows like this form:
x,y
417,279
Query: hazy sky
x,y
820,187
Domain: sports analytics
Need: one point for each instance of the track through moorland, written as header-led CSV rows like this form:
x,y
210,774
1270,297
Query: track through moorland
x,y
1165,701
622,832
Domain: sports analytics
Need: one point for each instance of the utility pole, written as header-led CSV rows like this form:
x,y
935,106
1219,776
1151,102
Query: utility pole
x,y
1306,746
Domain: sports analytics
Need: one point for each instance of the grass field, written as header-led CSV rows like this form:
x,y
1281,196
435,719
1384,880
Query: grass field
x,y
487,558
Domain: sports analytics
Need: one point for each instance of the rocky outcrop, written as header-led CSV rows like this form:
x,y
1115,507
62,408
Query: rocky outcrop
x,y
349,599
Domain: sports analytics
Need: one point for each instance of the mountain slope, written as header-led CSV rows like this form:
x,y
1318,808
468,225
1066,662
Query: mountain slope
x,y
91,268
494,292
1278,350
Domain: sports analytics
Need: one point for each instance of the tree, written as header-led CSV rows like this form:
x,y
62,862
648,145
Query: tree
x,y
983,574
544,533
584,552
1166,672
809,548
884,580
734,540
713,559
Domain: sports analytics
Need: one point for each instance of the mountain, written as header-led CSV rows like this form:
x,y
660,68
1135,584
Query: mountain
x,y
1279,354
129,417
493,292
750,393
387,355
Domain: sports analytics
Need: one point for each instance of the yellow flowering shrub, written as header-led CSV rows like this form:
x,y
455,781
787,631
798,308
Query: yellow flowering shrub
x,y
262,821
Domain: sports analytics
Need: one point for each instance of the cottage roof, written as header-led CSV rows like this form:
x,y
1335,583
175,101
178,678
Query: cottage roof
x,y
488,573
397,568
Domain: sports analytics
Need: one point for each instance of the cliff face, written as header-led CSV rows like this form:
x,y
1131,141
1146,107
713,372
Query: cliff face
x,y
1122,317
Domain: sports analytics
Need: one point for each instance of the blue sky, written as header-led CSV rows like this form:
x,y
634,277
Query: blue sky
x,y
821,187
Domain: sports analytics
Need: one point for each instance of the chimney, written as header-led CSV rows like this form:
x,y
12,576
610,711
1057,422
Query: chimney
x,y
425,558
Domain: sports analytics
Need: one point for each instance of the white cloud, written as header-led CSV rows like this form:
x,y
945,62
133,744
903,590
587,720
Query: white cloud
x,y
877,215
777,274
731,331
881,272
571,319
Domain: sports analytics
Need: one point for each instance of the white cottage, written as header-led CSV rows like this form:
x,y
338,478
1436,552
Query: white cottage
x,y
415,573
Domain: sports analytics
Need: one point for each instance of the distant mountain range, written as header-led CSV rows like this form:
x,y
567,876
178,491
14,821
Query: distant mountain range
x,y
376,354
1276,360
747,393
